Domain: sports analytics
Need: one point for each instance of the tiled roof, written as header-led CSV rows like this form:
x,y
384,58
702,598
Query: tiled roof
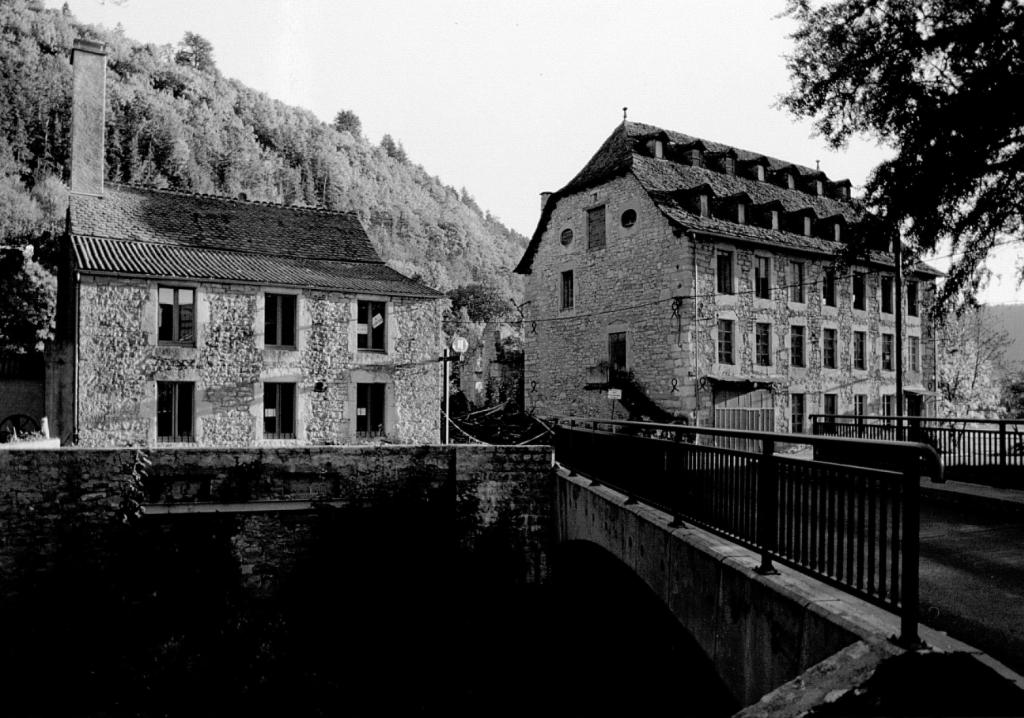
x,y
156,259
135,230
667,181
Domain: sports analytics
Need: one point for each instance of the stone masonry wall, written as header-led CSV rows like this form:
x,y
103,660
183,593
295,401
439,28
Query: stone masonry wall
x,y
627,286
120,362
813,380
488,498
630,286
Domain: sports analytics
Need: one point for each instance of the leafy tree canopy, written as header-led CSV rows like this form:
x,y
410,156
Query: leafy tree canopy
x,y
195,51
937,80
483,303
348,121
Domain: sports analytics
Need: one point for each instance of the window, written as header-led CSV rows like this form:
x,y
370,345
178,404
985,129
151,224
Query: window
x,y
568,289
174,402
828,288
177,316
829,351
762,277
887,287
760,173
858,291
724,272
370,325
279,321
616,355
566,237
796,345
278,410
796,420
889,404
763,342
860,350
860,404
741,213
705,205
912,308
887,351
628,218
370,409
831,404
796,282
807,225
595,228
915,353
725,341
775,219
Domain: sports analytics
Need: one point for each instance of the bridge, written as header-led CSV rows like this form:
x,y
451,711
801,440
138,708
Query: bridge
x,y
789,569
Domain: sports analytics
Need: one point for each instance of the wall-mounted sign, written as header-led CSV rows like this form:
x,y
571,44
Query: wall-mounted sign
x,y
362,329
270,413
377,320
615,393
460,345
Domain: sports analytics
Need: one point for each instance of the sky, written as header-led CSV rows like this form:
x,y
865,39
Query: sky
x,y
511,98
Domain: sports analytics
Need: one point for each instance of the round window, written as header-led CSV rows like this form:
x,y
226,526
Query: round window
x,y
566,237
629,218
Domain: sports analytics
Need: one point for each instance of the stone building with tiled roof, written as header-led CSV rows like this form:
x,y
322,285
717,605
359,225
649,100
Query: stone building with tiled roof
x,y
705,283
196,319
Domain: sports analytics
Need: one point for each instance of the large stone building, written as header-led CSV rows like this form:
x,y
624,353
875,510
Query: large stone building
x,y
218,321
702,280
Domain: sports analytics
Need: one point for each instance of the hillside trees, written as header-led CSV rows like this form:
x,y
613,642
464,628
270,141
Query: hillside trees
x,y
175,122
971,353
932,80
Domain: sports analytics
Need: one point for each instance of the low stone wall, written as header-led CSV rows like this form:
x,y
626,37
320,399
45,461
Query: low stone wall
x,y
490,498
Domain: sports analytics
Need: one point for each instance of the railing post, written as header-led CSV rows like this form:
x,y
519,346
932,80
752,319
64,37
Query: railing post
x,y
767,506
909,588
1002,444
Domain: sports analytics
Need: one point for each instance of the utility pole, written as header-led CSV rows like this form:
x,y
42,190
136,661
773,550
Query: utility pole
x,y
899,336
445,359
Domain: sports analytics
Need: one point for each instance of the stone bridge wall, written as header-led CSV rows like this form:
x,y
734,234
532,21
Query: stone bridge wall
x,y
481,497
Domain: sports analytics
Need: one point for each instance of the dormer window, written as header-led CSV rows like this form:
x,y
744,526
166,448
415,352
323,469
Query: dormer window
x,y
807,224
729,165
741,213
819,187
790,181
837,232
695,157
775,219
760,173
659,149
705,204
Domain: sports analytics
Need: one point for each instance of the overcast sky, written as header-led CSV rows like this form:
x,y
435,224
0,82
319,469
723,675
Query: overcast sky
x,y
509,99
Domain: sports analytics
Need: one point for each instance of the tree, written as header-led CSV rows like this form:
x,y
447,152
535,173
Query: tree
x,y
348,121
971,354
932,80
195,51
27,304
483,303
393,149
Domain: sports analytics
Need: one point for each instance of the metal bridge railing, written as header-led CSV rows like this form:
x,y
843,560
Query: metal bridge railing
x,y
855,527
988,451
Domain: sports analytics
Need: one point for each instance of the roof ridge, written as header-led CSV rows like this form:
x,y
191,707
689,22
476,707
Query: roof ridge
x,y
152,243
233,200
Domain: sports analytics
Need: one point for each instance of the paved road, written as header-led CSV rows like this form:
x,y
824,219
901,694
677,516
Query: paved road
x,y
972,578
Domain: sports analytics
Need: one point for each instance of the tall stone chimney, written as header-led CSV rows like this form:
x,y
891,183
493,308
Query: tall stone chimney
x,y
88,102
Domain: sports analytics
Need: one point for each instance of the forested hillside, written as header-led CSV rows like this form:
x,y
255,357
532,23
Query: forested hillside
x,y
174,121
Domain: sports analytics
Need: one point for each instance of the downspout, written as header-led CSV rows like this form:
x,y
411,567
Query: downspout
x,y
74,366
693,333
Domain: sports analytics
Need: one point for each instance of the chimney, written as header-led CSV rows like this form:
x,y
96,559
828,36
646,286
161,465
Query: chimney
x,y
544,197
88,101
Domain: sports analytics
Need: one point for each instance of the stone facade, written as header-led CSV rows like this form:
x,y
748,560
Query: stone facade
x,y
120,362
658,285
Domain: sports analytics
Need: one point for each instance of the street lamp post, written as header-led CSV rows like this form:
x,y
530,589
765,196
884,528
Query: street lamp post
x,y
899,337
